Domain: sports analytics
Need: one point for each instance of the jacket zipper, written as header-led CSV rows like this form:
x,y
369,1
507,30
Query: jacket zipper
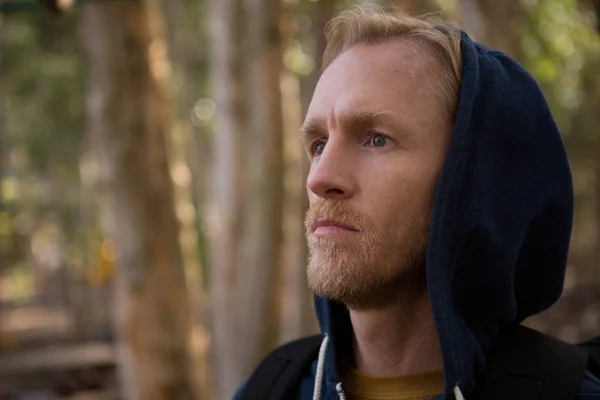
x,y
340,391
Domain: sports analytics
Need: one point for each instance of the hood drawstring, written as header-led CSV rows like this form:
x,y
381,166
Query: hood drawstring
x,y
458,394
320,368
340,391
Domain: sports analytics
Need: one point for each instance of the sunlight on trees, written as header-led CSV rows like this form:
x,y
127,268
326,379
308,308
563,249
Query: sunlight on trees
x,y
152,184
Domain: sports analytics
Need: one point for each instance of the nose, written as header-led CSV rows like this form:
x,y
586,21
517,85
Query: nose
x,y
331,174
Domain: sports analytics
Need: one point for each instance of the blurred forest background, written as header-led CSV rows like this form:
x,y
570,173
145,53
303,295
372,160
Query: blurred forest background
x,y
151,182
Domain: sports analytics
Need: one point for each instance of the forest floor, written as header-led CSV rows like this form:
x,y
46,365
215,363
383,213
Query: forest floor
x,y
40,360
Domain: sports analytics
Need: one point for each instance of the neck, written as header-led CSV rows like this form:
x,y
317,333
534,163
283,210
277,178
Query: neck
x,y
397,339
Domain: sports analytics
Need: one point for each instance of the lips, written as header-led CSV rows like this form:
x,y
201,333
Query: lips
x,y
328,223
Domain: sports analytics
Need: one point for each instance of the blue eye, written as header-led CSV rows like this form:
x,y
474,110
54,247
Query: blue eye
x,y
378,140
319,147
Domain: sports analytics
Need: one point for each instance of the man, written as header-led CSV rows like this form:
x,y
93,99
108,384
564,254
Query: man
x,y
440,214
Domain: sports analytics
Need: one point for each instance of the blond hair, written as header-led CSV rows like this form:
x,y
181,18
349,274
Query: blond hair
x,y
376,25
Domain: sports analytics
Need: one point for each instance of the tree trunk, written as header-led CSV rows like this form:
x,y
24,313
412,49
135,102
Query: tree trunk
x,y
260,265
226,202
192,145
3,162
128,120
191,165
248,165
487,21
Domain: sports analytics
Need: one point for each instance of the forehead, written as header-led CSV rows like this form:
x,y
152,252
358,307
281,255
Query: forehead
x,y
393,76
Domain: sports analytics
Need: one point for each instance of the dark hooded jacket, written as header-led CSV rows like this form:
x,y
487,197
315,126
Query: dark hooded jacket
x,y
500,227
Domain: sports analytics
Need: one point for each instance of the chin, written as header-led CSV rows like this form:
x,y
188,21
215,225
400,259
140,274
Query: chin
x,y
362,282
343,279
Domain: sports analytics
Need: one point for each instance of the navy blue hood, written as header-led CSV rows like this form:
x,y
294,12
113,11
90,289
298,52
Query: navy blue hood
x,y
501,223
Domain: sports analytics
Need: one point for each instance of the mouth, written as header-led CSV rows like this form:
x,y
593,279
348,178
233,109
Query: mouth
x,y
328,227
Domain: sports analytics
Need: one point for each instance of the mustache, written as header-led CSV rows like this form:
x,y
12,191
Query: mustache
x,y
338,212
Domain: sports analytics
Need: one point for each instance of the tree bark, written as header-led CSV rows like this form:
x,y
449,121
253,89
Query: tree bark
x,y
193,144
487,21
128,121
3,247
191,156
3,161
181,141
224,214
261,265
2,120
246,260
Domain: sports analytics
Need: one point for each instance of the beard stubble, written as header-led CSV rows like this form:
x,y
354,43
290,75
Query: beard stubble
x,y
372,267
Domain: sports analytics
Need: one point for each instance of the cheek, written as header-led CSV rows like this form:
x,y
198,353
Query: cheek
x,y
386,194
399,189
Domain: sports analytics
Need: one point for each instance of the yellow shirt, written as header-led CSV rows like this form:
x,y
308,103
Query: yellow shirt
x,y
361,386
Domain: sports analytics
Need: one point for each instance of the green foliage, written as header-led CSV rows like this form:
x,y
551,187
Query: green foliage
x,y
562,50
8,7
19,6
22,283
43,93
297,60
557,43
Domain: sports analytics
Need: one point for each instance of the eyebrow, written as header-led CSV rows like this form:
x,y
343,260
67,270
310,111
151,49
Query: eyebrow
x,y
348,120
313,127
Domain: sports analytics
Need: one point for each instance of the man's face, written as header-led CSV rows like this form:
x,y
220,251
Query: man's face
x,y
376,132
